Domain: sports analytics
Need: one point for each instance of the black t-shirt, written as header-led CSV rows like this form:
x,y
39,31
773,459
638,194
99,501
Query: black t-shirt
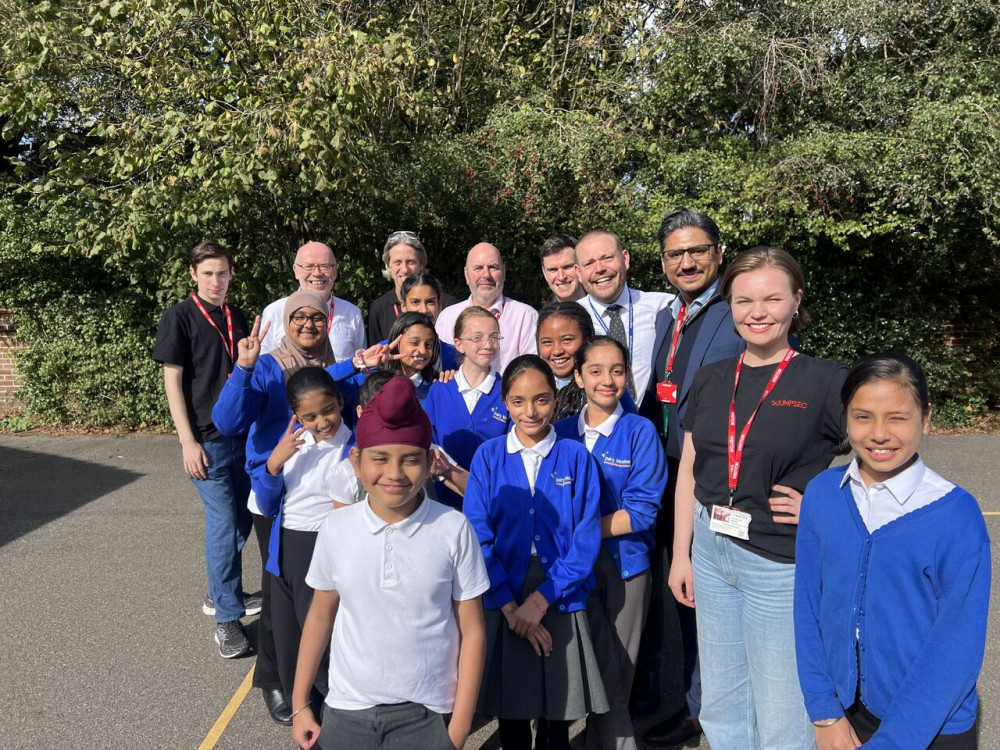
x,y
185,338
793,438
385,310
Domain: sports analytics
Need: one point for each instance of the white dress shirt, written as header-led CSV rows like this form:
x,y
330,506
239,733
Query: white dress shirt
x,y
469,394
883,502
644,307
605,428
517,326
532,458
347,333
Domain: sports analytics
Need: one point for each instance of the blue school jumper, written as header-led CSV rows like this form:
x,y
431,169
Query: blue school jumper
x,y
270,491
910,599
634,474
349,381
562,519
461,433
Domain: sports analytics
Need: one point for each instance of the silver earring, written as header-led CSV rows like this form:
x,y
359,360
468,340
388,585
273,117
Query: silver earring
x,y
795,314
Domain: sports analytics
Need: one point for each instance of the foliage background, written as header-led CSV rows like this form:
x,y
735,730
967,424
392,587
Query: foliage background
x,y
859,134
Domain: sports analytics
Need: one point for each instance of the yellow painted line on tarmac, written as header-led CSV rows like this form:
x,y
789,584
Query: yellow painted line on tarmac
x,y
991,512
228,712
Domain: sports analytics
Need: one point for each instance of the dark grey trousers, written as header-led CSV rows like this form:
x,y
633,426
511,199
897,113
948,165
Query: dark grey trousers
x,y
406,726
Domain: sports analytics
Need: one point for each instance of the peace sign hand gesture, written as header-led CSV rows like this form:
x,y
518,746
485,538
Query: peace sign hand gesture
x,y
249,346
287,447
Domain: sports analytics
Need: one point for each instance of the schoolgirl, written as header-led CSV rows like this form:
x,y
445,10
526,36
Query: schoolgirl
x,y
422,293
634,473
468,410
295,490
562,329
892,585
534,503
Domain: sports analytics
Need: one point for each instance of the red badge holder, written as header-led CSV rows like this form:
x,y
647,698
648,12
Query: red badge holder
x,y
666,392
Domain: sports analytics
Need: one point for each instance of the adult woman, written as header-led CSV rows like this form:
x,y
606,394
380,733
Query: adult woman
x,y
253,401
562,329
757,429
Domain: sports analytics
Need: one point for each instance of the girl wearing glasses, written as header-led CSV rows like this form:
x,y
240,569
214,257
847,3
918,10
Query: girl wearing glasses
x,y
469,410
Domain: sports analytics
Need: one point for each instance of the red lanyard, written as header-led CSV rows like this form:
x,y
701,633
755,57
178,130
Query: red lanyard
x,y
503,304
678,330
332,305
230,345
736,448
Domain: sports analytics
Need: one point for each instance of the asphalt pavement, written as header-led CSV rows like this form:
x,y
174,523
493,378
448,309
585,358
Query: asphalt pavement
x,y
102,639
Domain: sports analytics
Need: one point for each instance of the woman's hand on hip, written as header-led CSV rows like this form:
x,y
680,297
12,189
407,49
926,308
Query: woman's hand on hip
x,y
787,501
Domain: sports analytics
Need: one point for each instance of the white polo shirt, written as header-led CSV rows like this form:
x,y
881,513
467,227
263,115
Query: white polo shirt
x,y
307,476
395,638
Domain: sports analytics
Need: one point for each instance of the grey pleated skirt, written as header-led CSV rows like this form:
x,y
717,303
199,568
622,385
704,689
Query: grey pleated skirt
x,y
519,684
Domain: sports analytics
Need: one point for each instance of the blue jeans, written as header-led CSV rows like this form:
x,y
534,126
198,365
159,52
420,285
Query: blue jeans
x,y
749,684
227,523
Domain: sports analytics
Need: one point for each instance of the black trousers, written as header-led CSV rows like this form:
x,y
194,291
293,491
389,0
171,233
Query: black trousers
x,y
265,673
865,723
290,601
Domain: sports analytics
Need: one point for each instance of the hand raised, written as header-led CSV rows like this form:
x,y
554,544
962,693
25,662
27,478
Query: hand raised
x,y
287,447
249,346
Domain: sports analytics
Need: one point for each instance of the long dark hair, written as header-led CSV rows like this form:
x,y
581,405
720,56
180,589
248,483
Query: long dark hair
x,y
520,365
402,324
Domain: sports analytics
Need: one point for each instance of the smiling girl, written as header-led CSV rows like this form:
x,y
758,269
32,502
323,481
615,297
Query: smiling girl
x,y
534,503
634,474
893,583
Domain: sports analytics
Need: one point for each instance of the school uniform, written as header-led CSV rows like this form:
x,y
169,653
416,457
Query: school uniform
x,y
299,500
536,514
395,644
892,595
349,381
633,475
462,419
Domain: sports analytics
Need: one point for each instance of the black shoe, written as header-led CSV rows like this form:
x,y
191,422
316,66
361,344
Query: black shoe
x,y
277,706
208,606
676,730
645,696
232,639
252,604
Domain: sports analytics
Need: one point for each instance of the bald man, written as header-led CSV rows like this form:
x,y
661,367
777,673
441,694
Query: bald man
x,y
485,274
315,268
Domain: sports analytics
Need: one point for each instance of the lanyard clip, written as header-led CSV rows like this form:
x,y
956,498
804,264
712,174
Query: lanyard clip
x,y
732,494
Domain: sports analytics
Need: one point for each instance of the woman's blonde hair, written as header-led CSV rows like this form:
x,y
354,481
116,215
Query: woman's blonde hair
x,y
764,256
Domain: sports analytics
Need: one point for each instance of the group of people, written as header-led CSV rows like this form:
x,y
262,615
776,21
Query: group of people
x,y
476,507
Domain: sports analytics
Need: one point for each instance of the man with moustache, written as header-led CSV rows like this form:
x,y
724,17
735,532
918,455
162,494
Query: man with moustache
x,y
558,256
695,330
315,269
627,315
485,274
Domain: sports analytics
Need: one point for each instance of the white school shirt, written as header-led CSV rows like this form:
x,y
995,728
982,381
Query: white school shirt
x,y
347,333
517,326
469,394
605,428
645,307
307,476
882,502
532,458
395,638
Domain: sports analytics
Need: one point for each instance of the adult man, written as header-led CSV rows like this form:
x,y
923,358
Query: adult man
x,y
695,330
558,255
625,314
403,255
196,342
315,268
485,274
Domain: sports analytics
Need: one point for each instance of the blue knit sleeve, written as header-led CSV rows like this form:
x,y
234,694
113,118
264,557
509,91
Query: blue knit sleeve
x,y
477,508
239,402
648,478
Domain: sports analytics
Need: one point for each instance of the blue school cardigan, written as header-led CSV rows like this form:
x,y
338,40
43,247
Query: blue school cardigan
x,y
270,490
461,433
634,474
562,519
913,596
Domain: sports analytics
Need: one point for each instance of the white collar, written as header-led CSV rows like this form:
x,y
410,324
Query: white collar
x,y
901,486
463,384
624,299
417,379
563,382
339,440
605,428
542,447
408,525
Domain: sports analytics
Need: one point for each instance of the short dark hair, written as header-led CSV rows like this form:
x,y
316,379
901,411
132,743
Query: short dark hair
x,y
420,278
520,365
556,244
571,310
685,218
372,385
209,250
309,380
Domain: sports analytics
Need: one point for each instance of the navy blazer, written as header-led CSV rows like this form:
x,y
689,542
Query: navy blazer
x,y
717,340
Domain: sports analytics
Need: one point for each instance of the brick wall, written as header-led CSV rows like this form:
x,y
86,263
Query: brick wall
x,y
8,376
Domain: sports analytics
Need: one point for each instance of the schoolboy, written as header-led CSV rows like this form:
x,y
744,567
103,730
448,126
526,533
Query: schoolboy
x,y
403,576
197,344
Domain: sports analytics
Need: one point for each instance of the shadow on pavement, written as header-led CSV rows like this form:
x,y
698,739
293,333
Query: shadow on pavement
x,y
36,488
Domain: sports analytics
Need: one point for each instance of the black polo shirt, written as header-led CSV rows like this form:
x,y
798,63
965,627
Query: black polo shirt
x,y
384,311
186,339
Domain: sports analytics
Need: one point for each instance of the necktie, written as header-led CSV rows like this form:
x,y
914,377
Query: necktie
x,y
616,329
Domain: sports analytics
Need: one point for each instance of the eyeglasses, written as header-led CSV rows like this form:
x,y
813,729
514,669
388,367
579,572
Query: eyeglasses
x,y
480,340
310,267
405,235
299,318
698,252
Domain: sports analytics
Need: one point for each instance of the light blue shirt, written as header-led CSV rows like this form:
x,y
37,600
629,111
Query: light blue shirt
x,y
698,303
883,502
